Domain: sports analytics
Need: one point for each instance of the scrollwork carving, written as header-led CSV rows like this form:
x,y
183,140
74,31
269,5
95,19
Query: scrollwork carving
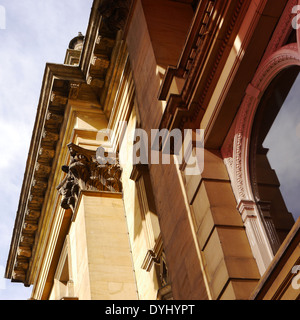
x,y
85,173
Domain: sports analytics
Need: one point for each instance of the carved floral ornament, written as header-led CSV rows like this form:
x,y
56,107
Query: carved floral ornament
x,y
86,173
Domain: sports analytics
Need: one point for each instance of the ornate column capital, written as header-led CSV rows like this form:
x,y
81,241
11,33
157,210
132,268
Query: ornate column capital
x,y
85,173
115,13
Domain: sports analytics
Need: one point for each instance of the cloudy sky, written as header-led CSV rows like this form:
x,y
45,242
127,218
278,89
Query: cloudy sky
x,y
35,32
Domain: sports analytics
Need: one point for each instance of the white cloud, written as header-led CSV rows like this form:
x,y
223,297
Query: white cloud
x,y
14,146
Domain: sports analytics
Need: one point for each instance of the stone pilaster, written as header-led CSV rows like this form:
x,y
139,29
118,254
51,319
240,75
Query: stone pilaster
x,y
230,267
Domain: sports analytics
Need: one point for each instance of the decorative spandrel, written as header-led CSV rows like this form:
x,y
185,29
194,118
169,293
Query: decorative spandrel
x,y
85,173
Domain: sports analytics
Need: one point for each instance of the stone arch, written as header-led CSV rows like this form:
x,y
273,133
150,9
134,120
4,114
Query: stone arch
x,y
260,231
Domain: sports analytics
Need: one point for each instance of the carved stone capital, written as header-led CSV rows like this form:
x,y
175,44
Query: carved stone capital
x,y
84,173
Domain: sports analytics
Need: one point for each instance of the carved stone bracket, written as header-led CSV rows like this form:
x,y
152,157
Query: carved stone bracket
x,y
84,173
165,291
157,257
115,13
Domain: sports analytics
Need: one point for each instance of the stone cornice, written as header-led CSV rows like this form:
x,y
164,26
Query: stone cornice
x,y
200,58
115,13
193,54
38,167
61,83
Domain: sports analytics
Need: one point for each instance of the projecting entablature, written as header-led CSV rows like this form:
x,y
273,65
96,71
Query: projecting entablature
x,y
91,71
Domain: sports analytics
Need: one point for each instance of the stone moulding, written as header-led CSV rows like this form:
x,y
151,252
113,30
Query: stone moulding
x,y
115,13
38,168
235,151
183,109
84,173
46,139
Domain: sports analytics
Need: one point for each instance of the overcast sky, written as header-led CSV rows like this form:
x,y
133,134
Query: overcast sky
x,y
36,32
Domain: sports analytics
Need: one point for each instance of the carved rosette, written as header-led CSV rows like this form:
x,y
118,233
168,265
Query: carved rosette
x,y
85,173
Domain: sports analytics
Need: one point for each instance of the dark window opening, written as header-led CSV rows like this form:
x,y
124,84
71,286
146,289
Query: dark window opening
x,y
275,152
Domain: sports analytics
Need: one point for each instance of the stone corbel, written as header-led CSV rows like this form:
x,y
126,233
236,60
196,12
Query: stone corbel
x,y
153,255
115,13
84,173
156,258
165,291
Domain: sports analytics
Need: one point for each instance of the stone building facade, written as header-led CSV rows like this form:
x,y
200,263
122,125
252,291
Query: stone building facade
x,y
127,229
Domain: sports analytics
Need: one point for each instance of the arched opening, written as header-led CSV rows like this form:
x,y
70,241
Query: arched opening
x,y
275,152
